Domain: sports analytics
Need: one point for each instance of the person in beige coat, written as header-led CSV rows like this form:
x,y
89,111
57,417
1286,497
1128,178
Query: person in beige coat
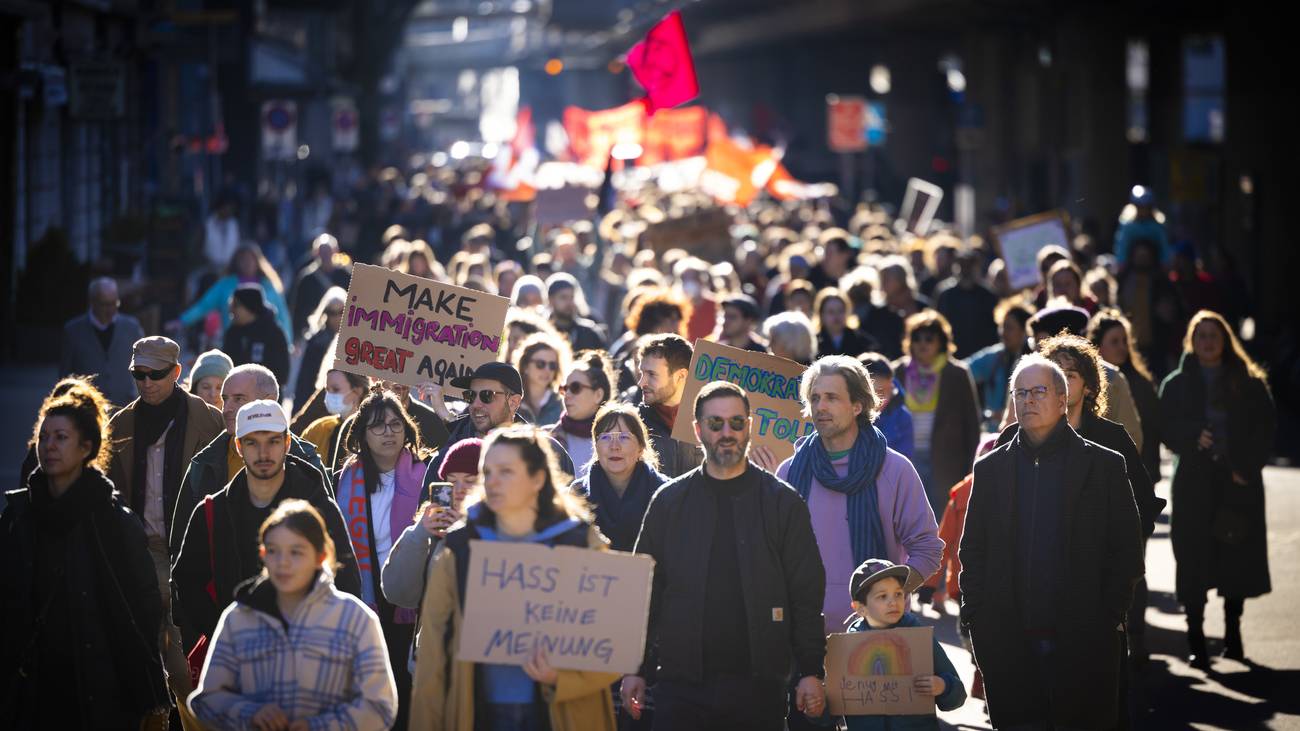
x,y
531,505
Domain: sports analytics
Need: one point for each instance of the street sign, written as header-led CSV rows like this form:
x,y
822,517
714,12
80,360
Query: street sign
x,y
877,124
346,124
279,130
846,121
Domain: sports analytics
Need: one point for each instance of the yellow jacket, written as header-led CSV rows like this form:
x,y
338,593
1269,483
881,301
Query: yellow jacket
x,y
579,700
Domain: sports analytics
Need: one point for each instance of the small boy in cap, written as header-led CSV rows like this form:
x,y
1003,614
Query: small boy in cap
x,y
880,593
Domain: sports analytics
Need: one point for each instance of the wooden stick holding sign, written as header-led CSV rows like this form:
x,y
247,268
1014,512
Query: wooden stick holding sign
x,y
871,673
772,384
408,329
586,609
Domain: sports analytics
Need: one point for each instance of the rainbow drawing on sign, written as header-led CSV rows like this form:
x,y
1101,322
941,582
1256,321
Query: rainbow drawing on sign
x,y
881,654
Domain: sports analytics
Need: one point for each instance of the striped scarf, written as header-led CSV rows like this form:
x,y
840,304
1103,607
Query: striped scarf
x,y
811,460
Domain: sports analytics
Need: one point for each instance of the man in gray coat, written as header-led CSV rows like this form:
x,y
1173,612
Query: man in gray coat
x,y
99,342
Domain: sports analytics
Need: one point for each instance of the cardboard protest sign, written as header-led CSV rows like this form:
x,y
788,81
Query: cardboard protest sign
x,y
409,329
772,384
1021,240
706,234
586,609
919,205
558,206
871,673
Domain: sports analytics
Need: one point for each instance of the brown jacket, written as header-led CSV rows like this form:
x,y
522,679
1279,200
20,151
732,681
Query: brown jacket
x,y
579,701
202,424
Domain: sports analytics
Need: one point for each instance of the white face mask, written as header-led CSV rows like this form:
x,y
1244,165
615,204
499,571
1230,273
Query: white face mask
x,y
336,403
691,288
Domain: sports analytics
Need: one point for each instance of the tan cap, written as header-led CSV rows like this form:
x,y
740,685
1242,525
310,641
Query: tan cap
x,y
155,353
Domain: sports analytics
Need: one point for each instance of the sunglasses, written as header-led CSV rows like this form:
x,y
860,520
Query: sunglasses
x,y
486,395
737,423
575,388
157,375
549,365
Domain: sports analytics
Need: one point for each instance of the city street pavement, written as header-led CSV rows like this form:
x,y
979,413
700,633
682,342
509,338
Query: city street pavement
x,y
1264,694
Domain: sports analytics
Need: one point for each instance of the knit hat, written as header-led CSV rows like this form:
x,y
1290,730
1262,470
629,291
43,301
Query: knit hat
x,y
211,363
462,457
251,297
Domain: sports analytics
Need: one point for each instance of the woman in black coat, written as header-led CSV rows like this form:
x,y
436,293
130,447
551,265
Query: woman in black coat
x,y
1218,418
623,476
80,611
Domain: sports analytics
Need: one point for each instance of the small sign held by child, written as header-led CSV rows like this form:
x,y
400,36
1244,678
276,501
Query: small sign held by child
x,y
872,673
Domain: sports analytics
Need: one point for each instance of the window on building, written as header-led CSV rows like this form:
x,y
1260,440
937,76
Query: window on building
x,y
1203,89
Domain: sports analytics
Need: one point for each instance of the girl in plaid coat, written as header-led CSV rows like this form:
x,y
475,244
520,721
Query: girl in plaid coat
x,y
292,652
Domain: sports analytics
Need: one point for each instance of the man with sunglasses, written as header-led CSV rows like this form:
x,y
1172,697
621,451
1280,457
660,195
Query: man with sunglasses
x,y
1050,553
736,600
152,441
493,391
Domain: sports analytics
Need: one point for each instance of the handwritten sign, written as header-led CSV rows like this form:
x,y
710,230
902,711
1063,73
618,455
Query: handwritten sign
x,y
872,673
409,329
586,609
1021,240
772,384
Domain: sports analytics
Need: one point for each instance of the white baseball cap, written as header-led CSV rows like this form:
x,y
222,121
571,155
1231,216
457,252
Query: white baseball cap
x,y
260,415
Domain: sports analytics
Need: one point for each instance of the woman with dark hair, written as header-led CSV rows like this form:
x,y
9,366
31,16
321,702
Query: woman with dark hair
x,y
1219,420
587,386
247,266
623,476
523,501
324,323
940,394
378,493
836,326
80,611
540,360
1112,335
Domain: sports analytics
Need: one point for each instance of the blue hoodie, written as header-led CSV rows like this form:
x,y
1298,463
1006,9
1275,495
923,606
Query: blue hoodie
x,y
895,422
954,695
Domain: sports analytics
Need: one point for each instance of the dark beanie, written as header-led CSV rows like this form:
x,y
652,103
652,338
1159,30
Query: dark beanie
x,y
251,297
462,457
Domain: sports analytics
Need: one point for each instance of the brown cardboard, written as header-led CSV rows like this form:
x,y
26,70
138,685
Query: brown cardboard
x,y
1019,242
409,329
705,234
773,387
587,609
872,673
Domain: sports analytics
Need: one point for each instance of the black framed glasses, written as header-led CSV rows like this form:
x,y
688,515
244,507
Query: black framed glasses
x,y
380,428
158,375
737,423
486,395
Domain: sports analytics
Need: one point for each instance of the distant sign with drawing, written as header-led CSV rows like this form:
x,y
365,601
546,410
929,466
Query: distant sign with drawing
x,y
772,384
1021,240
872,672
409,329
587,610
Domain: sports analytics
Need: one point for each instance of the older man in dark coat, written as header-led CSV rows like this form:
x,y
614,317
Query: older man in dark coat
x,y
1050,553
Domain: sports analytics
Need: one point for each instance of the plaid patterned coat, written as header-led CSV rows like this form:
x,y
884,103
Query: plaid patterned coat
x,y
326,664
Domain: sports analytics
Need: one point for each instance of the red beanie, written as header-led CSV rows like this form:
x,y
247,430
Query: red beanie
x,y
462,457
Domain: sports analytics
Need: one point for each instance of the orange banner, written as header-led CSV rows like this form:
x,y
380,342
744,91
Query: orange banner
x,y
675,134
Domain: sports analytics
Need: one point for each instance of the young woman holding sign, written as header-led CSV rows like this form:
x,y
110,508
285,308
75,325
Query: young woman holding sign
x,y
522,499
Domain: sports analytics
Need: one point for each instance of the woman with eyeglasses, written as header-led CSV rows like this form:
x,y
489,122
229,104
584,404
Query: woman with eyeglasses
x,y
521,500
940,393
378,493
540,360
623,476
587,386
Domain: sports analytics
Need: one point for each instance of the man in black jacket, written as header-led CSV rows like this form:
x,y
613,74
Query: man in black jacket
x,y
738,584
664,364
1050,553
227,554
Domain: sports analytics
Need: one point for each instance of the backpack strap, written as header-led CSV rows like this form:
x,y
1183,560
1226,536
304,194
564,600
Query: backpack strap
x,y
208,512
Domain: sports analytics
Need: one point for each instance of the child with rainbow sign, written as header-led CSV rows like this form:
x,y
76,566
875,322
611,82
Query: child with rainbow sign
x,y
880,593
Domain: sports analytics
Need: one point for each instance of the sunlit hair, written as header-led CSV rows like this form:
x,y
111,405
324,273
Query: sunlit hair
x,y
856,379
1017,308
264,268
1064,265
536,343
77,399
598,369
1083,358
655,306
555,501
932,322
1105,321
1237,364
302,519
826,295
333,297
897,265
374,409
616,414
793,333
1033,360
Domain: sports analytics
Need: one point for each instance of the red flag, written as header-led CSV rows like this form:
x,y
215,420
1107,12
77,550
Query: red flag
x,y
662,63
